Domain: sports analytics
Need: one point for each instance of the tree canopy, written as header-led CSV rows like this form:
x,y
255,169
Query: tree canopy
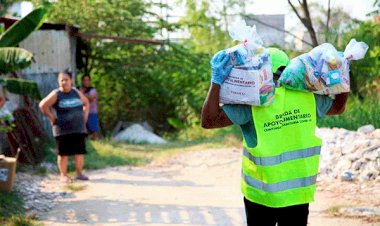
x,y
166,84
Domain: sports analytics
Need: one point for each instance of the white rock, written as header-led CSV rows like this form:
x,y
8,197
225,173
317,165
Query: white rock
x,y
353,157
361,211
347,176
348,150
343,164
377,165
376,133
371,174
364,178
137,134
361,143
370,155
358,165
366,129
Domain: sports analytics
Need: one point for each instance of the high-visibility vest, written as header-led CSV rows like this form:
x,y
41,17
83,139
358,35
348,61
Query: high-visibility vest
x,y
282,169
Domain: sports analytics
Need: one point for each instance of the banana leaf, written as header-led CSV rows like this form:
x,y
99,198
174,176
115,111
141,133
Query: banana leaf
x,y
21,87
14,59
23,28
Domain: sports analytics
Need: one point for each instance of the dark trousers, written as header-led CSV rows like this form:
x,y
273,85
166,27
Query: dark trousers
x,y
259,215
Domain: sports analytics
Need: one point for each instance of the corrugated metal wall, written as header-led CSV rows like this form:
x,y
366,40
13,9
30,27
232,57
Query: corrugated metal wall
x,y
53,51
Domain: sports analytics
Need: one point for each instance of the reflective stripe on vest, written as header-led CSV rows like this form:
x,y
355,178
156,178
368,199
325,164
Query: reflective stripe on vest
x,y
278,159
281,186
282,169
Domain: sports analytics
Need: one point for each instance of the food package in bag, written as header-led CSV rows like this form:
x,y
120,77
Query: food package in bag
x,y
251,79
323,70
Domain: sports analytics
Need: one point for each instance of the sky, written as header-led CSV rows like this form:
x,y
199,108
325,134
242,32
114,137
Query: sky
x,y
356,8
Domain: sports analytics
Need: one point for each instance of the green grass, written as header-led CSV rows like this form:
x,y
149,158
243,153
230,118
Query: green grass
x,y
34,170
358,113
20,220
75,186
12,211
10,204
108,153
335,210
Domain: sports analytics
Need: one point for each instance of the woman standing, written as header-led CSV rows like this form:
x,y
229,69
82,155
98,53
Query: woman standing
x,y
93,119
69,124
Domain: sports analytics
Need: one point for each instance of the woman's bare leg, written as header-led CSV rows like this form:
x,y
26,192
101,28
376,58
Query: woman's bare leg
x,y
63,162
79,163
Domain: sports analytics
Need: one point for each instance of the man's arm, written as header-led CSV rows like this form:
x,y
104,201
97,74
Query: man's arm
x,y
212,115
339,104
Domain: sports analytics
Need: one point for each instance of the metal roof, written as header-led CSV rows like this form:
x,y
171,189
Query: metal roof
x,y
9,21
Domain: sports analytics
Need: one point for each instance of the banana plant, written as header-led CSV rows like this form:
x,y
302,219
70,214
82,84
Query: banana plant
x,y
13,59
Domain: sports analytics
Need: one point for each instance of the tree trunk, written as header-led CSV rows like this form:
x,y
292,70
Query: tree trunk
x,y
29,135
306,19
327,31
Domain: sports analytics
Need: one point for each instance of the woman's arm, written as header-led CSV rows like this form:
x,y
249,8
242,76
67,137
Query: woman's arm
x,y
92,95
86,105
91,98
2,101
46,104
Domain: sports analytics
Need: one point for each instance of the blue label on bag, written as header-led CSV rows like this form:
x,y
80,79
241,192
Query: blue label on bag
x,y
333,78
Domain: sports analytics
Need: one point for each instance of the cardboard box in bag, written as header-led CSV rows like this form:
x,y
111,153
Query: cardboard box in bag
x,y
7,172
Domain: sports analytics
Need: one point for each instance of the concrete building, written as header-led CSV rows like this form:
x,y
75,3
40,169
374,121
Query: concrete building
x,y
270,28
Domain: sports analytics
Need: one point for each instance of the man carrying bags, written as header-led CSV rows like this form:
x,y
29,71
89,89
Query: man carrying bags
x,y
281,151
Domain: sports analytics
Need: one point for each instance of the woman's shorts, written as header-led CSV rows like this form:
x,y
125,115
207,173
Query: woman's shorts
x,y
93,123
71,144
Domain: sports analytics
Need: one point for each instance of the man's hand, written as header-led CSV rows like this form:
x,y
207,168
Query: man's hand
x,y
219,71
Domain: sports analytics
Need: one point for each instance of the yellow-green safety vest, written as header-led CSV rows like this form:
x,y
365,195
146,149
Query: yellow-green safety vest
x,y
282,169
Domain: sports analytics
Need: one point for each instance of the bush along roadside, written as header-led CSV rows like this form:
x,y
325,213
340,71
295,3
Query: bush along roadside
x,y
12,212
358,112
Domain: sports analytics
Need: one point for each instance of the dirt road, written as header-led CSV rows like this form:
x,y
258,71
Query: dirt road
x,y
194,188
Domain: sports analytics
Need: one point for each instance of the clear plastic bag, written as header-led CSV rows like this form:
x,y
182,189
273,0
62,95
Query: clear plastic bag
x,y
251,79
323,70
355,50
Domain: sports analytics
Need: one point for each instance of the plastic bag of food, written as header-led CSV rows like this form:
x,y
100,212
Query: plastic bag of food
x,y
323,70
251,79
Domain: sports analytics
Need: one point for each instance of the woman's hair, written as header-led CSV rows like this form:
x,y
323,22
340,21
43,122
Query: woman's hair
x,y
67,72
86,89
86,75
